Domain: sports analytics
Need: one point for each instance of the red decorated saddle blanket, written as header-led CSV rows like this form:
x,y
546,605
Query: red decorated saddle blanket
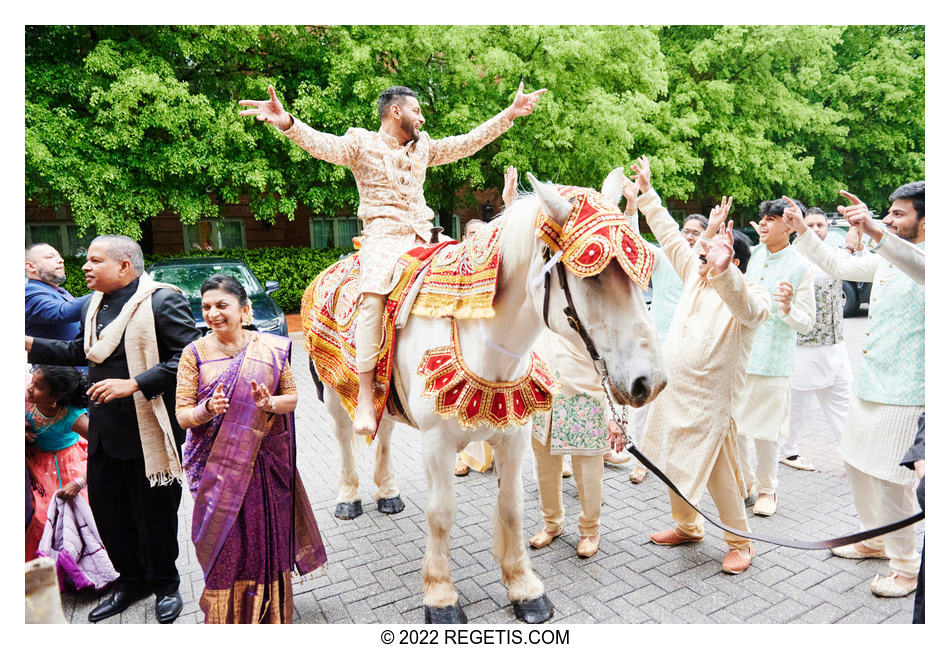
x,y
459,280
462,278
328,310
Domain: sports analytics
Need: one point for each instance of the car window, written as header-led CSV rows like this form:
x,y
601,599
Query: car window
x,y
837,235
190,278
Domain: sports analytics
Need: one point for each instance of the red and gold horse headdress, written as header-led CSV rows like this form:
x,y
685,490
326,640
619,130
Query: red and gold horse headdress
x,y
594,233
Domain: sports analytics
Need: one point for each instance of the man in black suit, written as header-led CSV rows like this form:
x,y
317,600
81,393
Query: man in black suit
x,y
914,459
136,513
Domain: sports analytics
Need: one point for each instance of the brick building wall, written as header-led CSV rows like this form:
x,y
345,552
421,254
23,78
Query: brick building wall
x,y
164,233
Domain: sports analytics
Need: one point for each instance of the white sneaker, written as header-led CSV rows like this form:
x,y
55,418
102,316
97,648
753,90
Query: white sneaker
x,y
797,462
613,457
566,466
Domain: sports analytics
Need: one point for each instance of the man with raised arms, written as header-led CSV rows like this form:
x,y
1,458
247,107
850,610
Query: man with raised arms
x,y
390,168
690,431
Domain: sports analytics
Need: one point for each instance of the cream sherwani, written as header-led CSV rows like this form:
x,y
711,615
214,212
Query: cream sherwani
x,y
389,178
690,432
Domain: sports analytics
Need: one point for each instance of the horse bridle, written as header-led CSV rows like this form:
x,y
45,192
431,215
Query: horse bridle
x,y
574,321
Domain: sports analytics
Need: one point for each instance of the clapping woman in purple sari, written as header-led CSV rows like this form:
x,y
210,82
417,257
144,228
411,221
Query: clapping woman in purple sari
x,y
252,523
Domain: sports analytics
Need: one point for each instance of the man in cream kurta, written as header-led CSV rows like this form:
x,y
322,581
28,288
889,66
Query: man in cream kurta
x,y
667,289
765,402
690,432
390,169
889,393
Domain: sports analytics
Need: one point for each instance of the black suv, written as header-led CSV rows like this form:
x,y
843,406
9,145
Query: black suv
x,y
188,273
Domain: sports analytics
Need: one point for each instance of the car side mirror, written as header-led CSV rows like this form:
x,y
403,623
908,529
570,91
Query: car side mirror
x,y
271,286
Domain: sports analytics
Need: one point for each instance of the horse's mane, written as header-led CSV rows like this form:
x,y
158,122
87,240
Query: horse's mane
x,y
517,225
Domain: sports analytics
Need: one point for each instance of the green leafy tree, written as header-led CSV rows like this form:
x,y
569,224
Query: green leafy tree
x,y
123,122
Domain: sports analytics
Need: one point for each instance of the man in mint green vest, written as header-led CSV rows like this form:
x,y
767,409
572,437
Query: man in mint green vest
x,y
765,402
889,393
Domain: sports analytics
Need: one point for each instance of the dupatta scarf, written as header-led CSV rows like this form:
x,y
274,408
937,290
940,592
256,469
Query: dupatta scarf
x,y
242,437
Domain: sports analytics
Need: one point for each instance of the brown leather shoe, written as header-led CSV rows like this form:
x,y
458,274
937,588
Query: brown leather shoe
x,y
673,537
543,538
588,546
738,561
638,474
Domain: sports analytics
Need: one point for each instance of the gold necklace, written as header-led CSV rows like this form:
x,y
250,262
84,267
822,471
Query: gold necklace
x,y
42,422
233,349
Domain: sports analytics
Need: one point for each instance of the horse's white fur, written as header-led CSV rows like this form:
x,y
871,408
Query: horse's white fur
x,y
611,308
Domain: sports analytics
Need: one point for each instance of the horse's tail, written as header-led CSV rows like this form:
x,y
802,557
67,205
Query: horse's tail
x,y
317,383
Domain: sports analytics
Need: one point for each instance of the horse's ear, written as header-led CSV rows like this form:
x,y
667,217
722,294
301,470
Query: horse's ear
x,y
554,205
613,185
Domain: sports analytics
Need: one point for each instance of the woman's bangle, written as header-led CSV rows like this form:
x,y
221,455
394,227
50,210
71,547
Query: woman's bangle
x,y
79,482
207,408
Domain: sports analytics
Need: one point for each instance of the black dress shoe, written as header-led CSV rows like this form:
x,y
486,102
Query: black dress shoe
x,y
116,602
167,607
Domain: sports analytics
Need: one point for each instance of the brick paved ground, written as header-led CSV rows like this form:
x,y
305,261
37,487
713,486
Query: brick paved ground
x,y
375,560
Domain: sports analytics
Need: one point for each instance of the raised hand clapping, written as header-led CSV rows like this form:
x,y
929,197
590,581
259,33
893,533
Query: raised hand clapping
x,y
717,217
510,191
262,396
783,296
718,255
218,403
641,175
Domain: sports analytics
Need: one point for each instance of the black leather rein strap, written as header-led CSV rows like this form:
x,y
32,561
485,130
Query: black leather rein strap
x,y
789,543
573,319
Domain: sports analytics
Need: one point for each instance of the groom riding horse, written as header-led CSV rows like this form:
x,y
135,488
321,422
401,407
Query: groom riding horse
x,y
390,169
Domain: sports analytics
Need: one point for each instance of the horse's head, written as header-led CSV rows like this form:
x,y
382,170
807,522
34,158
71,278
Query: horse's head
x,y
606,264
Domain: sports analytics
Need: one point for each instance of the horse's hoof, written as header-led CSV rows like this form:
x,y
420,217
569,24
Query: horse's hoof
x,y
392,505
348,511
534,611
445,615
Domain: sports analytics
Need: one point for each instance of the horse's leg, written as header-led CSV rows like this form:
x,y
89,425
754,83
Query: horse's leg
x,y
525,590
348,502
387,493
440,599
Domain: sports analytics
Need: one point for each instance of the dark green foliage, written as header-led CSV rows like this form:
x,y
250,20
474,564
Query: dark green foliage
x,y
294,268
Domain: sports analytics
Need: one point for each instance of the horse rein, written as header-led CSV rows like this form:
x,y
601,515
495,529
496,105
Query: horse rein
x,y
574,321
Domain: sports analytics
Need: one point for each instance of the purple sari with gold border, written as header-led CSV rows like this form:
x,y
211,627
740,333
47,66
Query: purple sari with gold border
x,y
252,522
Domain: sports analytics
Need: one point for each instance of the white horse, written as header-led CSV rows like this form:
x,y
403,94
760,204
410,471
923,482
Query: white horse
x,y
611,308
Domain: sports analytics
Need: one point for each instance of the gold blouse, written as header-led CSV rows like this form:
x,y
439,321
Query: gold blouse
x,y
188,410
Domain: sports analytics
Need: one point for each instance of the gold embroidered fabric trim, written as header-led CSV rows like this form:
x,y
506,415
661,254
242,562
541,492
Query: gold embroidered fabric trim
x,y
473,401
